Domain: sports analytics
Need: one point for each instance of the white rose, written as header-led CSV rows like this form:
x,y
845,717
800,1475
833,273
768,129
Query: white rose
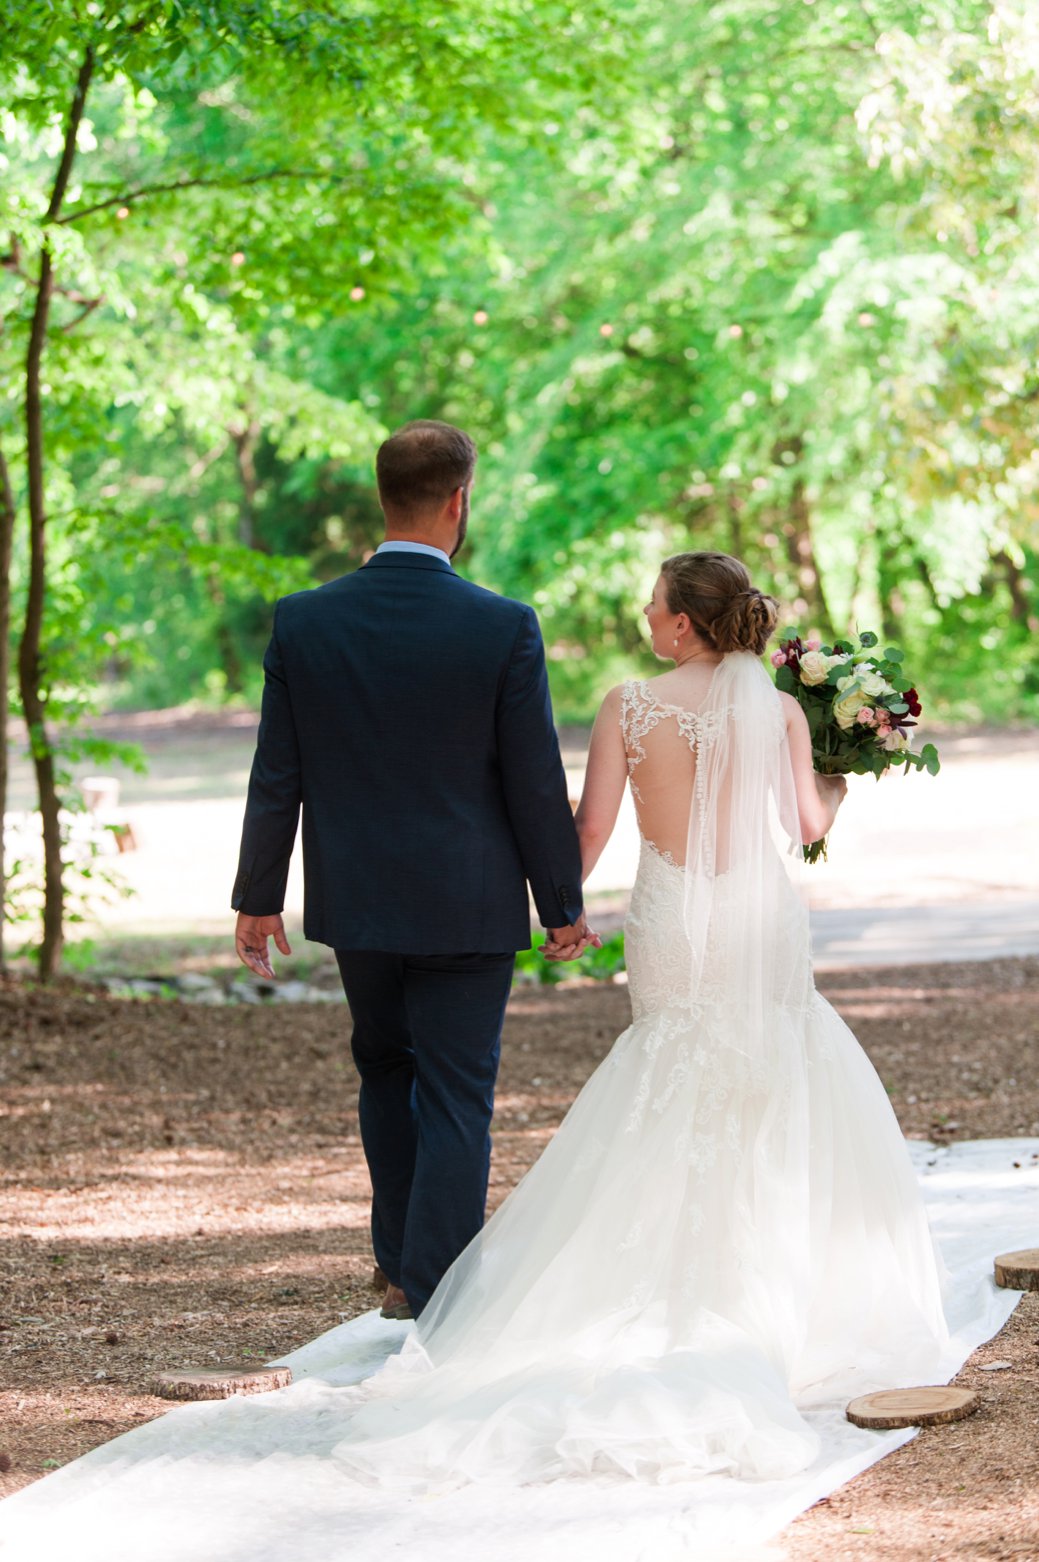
x,y
847,704
871,682
895,742
815,668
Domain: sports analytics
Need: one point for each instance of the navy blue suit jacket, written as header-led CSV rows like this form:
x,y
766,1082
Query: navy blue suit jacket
x,y
408,712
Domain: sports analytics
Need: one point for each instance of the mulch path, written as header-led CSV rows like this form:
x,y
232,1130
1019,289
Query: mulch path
x,y
184,1186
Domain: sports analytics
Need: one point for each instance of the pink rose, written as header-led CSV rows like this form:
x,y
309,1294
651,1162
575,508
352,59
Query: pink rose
x,y
778,658
812,645
866,717
883,719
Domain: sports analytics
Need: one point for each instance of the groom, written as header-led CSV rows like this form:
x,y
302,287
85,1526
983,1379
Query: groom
x,y
407,710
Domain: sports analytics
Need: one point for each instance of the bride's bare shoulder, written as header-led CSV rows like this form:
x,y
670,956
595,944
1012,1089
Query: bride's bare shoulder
x,y
793,715
613,699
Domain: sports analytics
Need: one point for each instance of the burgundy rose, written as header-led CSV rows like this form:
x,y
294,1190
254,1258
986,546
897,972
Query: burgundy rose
x,y
912,699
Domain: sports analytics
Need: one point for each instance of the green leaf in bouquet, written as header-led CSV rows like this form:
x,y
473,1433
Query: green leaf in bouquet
x,y
929,758
897,707
867,639
816,714
840,671
785,680
791,632
900,682
844,645
893,654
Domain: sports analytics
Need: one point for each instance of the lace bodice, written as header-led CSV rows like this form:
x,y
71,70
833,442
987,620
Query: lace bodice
x,y
665,746
662,743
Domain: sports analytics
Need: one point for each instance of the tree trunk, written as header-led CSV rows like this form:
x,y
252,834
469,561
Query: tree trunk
x,y
889,576
924,576
245,440
1020,609
30,663
800,547
7,517
230,661
734,509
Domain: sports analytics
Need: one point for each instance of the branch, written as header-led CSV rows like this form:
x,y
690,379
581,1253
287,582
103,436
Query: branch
x,y
203,182
6,499
635,352
89,305
74,296
201,465
68,152
874,25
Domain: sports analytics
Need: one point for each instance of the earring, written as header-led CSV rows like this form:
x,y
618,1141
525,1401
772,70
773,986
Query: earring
x,y
675,641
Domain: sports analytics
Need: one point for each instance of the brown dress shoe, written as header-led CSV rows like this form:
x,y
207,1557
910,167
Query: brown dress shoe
x,y
395,1304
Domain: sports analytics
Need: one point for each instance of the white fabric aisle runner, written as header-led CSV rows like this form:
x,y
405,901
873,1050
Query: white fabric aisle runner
x,y
250,1480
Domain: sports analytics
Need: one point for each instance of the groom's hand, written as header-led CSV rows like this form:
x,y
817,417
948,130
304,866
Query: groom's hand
x,y
570,943
250,941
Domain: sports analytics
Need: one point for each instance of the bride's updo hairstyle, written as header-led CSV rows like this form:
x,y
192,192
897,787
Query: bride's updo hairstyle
x,y
723,607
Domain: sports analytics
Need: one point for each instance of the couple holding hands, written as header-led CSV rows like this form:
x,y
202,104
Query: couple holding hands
x,y
726,1228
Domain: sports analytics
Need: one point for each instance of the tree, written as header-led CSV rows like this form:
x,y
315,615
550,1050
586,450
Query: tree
x,y
214,150
792,316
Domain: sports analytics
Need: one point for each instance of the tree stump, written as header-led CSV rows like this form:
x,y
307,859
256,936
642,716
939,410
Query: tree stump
x,y
1018,1271
897,1407
221,1382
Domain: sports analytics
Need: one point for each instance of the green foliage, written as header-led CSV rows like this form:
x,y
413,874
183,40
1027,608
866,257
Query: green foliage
x,y
755,277
247,179
766,310
90,883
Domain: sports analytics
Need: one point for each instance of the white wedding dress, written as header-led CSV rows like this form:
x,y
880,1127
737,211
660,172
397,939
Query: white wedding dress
x,y
726,1229
722,1243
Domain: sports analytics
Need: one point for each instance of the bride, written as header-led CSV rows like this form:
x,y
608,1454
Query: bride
x,y
726,1230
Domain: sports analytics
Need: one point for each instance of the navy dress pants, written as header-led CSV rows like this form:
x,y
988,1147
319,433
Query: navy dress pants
x,y
426,1041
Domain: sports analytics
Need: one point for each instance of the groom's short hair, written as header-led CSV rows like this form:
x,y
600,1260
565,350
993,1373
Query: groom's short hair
x,y
422,464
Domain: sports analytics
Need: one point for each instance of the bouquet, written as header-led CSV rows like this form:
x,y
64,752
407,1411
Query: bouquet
x,y
861,708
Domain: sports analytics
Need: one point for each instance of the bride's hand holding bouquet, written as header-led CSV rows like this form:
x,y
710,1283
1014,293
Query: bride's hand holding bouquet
x,y
860,705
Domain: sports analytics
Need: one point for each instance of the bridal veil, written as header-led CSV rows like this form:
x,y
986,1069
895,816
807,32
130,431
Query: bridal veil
x,y
725,1230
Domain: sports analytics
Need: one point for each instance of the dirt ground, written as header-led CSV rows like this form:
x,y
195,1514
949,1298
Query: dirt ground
x,y
184,1186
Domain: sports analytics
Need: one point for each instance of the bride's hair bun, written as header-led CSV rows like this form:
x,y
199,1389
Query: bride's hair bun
x,y
715,592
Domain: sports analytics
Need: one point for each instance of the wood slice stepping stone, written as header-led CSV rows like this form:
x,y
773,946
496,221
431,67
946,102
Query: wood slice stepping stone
x,y
1018,1271
221,1382
897,1407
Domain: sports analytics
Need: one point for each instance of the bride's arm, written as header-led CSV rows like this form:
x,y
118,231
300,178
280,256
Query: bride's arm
x,y
604,781
818,797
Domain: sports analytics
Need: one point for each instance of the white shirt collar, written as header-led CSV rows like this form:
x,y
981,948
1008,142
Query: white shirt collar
x,y
399,545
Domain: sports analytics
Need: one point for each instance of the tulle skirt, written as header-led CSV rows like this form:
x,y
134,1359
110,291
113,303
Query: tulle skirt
x,y
708,1247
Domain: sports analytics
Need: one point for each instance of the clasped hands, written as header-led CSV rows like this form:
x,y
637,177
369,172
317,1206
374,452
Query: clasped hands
x,y
570,943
